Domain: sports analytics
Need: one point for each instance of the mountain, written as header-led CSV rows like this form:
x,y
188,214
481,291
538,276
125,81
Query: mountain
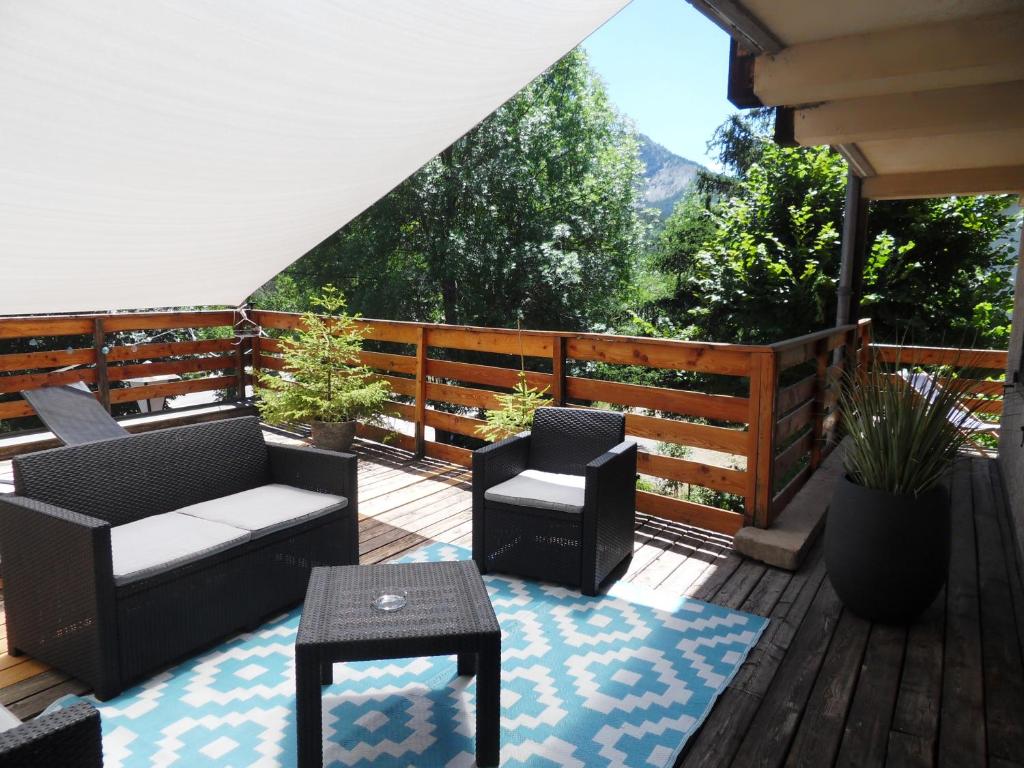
x,y
667,174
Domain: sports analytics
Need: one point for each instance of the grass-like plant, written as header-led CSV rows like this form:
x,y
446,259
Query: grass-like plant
x,y
324,379
903,438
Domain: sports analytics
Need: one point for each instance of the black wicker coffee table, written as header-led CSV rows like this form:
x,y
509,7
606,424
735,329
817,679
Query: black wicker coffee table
x,y
447,611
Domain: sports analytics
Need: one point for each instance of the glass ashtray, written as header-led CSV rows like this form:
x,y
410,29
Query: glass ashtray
x,y
391,600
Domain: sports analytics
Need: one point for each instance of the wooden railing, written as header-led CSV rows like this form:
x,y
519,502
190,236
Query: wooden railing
x,y
105,350
768,412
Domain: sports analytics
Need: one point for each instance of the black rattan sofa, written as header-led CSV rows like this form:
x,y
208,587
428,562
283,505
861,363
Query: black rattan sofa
x,y
122,555
559,503
69,737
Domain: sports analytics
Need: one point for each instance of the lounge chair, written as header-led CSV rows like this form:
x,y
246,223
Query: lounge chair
x,y
73,414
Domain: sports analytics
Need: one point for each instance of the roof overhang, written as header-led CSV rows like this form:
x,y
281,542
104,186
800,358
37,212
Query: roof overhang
x,y
923,97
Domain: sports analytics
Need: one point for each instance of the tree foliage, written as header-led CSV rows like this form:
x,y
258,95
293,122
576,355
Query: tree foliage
x,y
530,215
757,259
325,380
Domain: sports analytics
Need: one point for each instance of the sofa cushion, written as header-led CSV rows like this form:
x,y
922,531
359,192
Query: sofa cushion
x,y
541,490
161,543
265,509
7,719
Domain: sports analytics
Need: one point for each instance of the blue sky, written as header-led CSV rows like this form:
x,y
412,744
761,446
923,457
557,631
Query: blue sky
x,y
665,66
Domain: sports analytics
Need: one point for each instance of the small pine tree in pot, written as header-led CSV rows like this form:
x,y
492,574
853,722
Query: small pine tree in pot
x,y
516,412
324,383
887,534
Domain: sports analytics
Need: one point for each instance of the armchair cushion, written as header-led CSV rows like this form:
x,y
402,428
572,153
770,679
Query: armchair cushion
x,y
541,490
265,509
164,542
7,720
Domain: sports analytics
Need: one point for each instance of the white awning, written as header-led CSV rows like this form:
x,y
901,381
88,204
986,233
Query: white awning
x,y
182,152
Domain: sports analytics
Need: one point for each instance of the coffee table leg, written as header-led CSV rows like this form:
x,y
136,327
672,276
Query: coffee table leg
x,y
326,673
308,708
488,703
467,664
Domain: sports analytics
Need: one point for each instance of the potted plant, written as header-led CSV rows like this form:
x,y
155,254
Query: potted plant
x,y
887,535
324,383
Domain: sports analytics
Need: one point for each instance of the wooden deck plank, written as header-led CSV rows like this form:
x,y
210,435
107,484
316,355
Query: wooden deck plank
x,y
962,721
1003,668
920,692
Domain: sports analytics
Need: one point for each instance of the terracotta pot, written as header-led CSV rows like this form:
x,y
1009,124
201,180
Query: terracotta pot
x,y
887,555
333,435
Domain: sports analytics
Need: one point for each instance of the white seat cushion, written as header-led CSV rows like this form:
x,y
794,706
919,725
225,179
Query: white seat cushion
x,y
265,509
541,490
161,543
7,720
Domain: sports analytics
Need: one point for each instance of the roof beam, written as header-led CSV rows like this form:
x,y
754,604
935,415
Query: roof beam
x,y
950,54
973,109
970,181
858,163
740,23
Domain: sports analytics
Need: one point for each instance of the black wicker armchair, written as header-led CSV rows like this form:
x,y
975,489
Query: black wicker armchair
x,y
559,503
122,555
67,737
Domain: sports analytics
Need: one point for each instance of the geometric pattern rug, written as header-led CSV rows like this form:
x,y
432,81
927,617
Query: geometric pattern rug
x,y
622,679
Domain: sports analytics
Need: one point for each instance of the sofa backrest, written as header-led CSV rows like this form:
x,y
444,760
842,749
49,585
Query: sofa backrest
x,y
129,478
565,440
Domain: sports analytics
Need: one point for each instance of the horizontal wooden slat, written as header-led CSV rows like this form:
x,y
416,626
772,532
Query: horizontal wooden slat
x,y
467,396
491,340
389,363
718,407
49,379
453,453
698,515
977,386
268,362
15,409
783,497
992,359
795,394
151,321
792,454
24,327
386,330
154,350
979,405
684,433
696,473
490,375
789,425
30,361
453,422
399,385
172,367
800,349
172,388
370,432
679,356
401,410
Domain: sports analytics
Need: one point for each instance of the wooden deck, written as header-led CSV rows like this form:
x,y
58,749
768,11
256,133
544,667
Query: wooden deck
x,y
822,687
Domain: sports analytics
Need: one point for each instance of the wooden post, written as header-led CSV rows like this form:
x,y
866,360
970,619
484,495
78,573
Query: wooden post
x,y
99,342
851,263
864,354
240,369
558,370
764,387
421,391
820,388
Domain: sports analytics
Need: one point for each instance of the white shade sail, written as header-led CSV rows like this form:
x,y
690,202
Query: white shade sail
x,y
162,153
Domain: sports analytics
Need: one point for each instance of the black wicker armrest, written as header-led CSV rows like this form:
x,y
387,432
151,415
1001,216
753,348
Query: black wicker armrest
x,y
609,513
500,461
68,737
314,469
494,464
59,588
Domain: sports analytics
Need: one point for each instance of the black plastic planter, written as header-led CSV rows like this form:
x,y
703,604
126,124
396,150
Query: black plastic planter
x,y
887,556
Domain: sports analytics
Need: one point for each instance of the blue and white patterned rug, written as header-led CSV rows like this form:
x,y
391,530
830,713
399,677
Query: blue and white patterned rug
x,y
621,679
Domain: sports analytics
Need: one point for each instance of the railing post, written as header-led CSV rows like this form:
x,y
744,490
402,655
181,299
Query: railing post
x,y
764,387
820,389
99,342
558,370
421,392
864,355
